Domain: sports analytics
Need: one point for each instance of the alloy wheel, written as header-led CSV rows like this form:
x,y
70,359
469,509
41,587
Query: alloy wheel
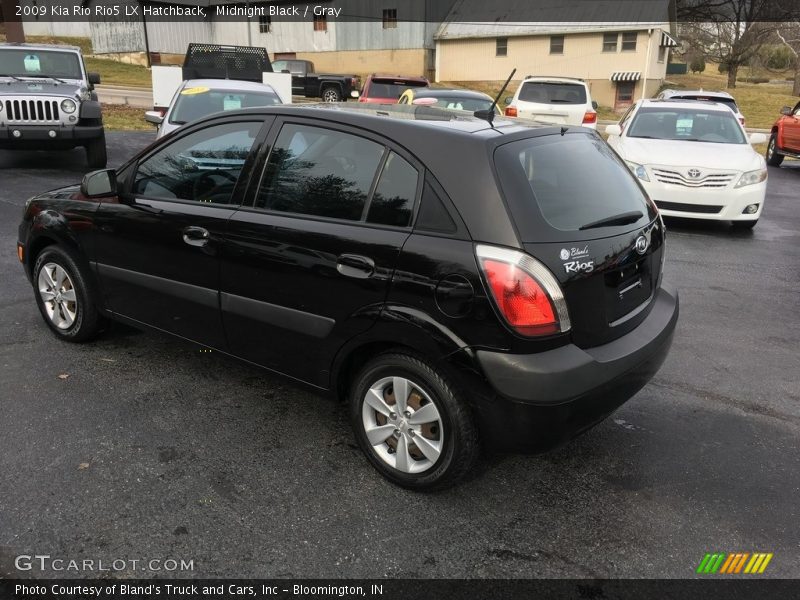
x,y
58,295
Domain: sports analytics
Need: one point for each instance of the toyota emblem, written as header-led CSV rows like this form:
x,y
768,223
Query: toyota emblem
x,y
693,173
641,244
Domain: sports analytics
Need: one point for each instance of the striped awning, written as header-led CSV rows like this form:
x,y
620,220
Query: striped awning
x,y
626,76
667,41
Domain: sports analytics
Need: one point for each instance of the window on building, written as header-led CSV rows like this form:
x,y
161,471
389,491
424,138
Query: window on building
x,y
610,42
390,18
625,91
662,54
556,44
629,41
501,46
264,24
320,23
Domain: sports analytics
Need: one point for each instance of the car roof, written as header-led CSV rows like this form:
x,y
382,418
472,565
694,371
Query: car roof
x,y
678,103
668,93
398,77
450,93
553,78
229,84
41,46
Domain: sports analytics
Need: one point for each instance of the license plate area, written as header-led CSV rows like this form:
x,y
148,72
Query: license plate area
x,y
627,287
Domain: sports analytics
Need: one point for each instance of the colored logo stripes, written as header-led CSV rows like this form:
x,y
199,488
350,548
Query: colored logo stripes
x,y
738,562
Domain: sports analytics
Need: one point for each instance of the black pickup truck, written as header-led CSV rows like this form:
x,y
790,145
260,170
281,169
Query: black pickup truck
x,y
306,82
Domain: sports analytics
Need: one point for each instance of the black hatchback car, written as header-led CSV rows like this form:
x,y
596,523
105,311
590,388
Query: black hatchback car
x,y
458,282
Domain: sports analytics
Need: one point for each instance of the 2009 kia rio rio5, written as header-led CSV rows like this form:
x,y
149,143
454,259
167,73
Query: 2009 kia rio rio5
x,y
458,282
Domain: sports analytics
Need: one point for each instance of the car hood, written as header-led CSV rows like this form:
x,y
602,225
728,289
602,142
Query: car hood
x,y
70,89
705,155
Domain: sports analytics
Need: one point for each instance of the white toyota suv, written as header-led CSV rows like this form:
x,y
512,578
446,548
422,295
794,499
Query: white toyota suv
x,y
560,100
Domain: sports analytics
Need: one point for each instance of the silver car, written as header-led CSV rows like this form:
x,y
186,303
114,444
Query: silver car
x,y
197,98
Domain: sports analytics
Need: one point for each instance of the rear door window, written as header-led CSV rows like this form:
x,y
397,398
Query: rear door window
x,y
393,200
320,172
543,92
568,182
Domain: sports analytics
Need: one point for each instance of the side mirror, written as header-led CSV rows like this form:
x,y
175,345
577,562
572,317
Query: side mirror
x,y
594,104
154,117
786,110
94,78
99,183
613,130
758,138
508,100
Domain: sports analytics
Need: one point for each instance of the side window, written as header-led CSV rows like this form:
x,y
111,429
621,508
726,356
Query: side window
x,y
433,216
203,166
321,172
393,200
623,122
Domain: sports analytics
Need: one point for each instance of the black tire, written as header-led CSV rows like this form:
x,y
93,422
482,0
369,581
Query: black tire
x,y
773,158
744,224
454,432
96,153
331,93
86,321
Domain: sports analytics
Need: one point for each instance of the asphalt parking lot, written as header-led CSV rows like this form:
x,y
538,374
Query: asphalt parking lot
x,y
140,447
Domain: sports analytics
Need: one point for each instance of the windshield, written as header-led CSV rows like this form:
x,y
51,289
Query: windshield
x,y
196,102
543,92
577,182
391,89
688,124
24,62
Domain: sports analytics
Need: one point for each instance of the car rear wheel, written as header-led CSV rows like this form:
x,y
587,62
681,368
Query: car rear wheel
x,y
331,94
411,423
773,158
63,295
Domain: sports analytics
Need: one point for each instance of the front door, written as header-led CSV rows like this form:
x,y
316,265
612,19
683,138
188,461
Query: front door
x,y
624,97
157,249
307,264
791,131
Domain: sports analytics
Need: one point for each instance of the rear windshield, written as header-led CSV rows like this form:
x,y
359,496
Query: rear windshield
x,y
391,88
196,102
572,181
687,124
552,93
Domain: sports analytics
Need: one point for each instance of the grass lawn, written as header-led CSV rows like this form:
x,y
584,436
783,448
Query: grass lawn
x,y
117,117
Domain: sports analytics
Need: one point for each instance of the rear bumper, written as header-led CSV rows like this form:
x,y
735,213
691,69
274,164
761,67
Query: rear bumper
x,y
546,399
34,137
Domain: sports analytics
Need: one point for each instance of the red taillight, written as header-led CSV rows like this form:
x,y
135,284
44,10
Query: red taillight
x,y
589,117
511,111
520,298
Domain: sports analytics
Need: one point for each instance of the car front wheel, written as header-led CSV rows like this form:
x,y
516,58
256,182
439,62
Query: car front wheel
x,y
63,296
331,94
411,423
773,158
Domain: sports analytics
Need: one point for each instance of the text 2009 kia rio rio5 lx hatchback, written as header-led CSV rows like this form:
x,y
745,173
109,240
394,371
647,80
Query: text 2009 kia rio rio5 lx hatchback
x,y
457,282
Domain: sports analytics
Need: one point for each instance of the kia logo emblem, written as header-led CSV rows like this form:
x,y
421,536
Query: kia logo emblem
x,y
693,173
641,244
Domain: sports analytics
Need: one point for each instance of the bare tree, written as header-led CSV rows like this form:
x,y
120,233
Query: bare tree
x,y
730,32
789,34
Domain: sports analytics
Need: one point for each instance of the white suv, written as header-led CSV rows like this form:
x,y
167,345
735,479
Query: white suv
x,y
560,100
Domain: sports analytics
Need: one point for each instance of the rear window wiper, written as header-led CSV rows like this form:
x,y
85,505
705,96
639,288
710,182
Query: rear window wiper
x,y
621,219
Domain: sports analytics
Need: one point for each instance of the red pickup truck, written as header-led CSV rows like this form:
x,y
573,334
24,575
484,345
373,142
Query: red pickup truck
x,y
785,138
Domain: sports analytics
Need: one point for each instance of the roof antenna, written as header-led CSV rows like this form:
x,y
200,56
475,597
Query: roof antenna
x,y
488,114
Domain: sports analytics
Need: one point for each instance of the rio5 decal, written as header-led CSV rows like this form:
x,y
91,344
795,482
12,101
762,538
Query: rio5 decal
x,y
577,266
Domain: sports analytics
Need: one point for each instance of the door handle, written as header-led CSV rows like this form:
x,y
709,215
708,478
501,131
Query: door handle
x,y
353,265
196,236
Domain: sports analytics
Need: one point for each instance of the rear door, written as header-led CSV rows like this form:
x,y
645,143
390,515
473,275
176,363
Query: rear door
x,y
552,102
580,211
308,262
791,130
